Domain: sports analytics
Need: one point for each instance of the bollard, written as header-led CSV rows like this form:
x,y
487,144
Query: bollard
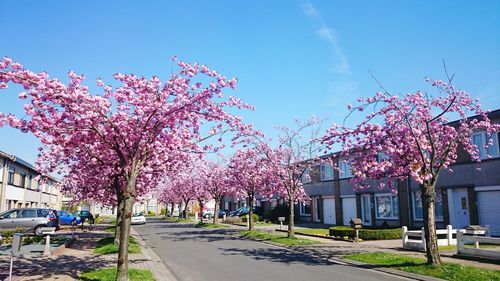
x,y
47,246
404,235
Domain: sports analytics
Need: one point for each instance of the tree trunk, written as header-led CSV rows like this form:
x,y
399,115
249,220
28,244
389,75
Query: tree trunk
x,y
185,212
250,211
291,209
428,191
128,204
216,211
172,210
200,202
166,210
119,211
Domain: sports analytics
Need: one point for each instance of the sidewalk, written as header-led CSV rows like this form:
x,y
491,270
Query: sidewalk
x,y
70,262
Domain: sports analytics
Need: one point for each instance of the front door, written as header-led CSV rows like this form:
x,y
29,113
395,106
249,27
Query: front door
x,y
461,208
318,209
366,210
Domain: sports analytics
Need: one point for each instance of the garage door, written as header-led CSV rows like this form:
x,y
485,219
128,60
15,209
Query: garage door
x,y
489,210
349,209
329,211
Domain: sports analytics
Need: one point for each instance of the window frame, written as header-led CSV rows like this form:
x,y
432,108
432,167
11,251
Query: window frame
x,y
302,205
413,208
11,174
322,172
392,197
484,152
306,176
345,169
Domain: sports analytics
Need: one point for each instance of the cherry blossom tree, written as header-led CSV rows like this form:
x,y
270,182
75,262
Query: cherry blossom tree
x,y
414,133
216,183
292,159
136,131
251,174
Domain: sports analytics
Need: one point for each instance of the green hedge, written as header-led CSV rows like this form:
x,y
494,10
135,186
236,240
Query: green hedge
x,y
366,234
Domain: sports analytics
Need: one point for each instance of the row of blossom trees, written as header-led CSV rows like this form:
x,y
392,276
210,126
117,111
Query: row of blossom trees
x,y
144,135
116,145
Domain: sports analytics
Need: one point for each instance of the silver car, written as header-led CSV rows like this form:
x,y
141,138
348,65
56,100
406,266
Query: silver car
x,y
31,219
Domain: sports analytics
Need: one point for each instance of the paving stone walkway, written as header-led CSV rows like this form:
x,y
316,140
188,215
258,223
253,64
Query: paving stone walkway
x,y
69,263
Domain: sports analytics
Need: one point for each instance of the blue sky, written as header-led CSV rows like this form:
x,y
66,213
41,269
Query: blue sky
x,y
293,59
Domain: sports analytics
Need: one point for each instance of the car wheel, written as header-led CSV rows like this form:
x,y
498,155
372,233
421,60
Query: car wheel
x,y
38,230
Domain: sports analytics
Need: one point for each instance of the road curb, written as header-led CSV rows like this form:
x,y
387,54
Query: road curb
x,y
154,263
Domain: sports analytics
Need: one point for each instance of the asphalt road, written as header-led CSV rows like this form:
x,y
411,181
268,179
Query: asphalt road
x,y
194,254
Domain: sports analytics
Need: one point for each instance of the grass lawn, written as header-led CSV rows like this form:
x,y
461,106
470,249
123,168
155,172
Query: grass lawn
x,y
210,225
110,229
177,220
447,271
454,247
281,239
109,274
107,246
257,224
313,231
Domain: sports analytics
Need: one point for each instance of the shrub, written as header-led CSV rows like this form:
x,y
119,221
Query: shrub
x,y
151,213
256,218
7,235
163,211
366,233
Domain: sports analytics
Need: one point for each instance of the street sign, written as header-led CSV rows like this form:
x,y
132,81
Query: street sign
x,y
17,241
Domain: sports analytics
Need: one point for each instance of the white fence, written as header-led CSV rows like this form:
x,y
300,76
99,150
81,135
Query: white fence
x,y
476,251
415,239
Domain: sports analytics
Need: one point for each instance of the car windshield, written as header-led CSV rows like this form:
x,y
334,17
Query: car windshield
x,y
138,215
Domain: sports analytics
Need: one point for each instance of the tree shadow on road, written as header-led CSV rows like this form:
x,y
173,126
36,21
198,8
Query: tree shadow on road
x,y
277,255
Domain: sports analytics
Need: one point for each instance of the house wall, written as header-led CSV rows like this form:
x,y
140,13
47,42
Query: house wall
x,y
24,192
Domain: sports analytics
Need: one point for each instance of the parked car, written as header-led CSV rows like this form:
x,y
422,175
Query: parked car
x,y
245,210
84,216
32,219
67,218
209,213
138,218
221,214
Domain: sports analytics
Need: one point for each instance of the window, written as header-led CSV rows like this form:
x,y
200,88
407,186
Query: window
x,y
418,212
381,156
10,179
306,176
326,172
22,183
28,214
480,139
10,214
305,208
387,206
30,179
345,169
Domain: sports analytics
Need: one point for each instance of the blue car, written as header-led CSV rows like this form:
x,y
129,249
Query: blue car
x,y
67,218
